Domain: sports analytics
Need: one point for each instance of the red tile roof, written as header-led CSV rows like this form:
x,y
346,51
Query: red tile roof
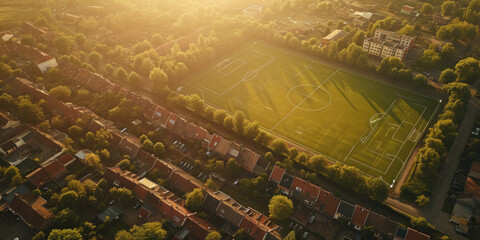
x,y
277,174
297,185
248,159
30,208
182,182
51,171
415,235
472,187
200,133
171,121
328,203
310,192
66,159
360,216
198,227
165,170
144,213
215,141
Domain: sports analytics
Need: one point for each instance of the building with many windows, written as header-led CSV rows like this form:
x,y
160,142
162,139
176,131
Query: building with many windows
x,y
388,44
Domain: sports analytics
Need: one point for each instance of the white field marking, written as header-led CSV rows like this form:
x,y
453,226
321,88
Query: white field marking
x,y
305,99
376,120
366,165
239,82
351,149
416,141
212,69
418,120
403,144
298,73
355,73
306,96
315,59
376,126
399,126
242,62
269,108
384,180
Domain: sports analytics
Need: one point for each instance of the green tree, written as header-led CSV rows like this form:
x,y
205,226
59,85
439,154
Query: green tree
x,y
67,200
448,7
377,189
148,145
95,58
420,80
317,163
359,37
290,236
29,112
93,161
427,9
158,77
407,30
233,169
80,39
148,231
419,223
422,200
194,199
447,76
65,234
213,235
280,207
461,90
122,195
28,40
252,130
279,146
468,70
228,122
124,164
238,122
134,80
159,149
61,93
211,184
63,45
220,116
368,233
121,74
39,236
66,218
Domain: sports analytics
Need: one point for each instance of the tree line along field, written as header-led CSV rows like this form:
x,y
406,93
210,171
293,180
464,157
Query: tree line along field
x,y
344,116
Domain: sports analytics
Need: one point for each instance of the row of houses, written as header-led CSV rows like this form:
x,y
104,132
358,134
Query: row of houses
x,y
39,33
42,60
183,182
20,145
466,212
174,123
158,199
318,200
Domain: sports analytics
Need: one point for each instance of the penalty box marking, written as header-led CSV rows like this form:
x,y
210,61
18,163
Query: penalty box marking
x,y
247,74
242,62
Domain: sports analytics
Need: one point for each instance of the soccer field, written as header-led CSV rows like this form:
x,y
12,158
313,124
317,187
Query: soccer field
x,y
344,116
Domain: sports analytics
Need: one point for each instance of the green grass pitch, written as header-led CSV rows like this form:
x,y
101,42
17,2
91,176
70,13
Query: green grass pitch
x,y
344,116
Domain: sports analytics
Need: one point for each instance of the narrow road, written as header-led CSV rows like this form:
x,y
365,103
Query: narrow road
x,y
433,211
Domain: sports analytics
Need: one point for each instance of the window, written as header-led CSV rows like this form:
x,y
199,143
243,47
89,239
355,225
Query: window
x,y
176,219
298,189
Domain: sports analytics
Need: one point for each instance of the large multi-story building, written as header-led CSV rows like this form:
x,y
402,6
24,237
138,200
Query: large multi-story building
x,y
388,44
